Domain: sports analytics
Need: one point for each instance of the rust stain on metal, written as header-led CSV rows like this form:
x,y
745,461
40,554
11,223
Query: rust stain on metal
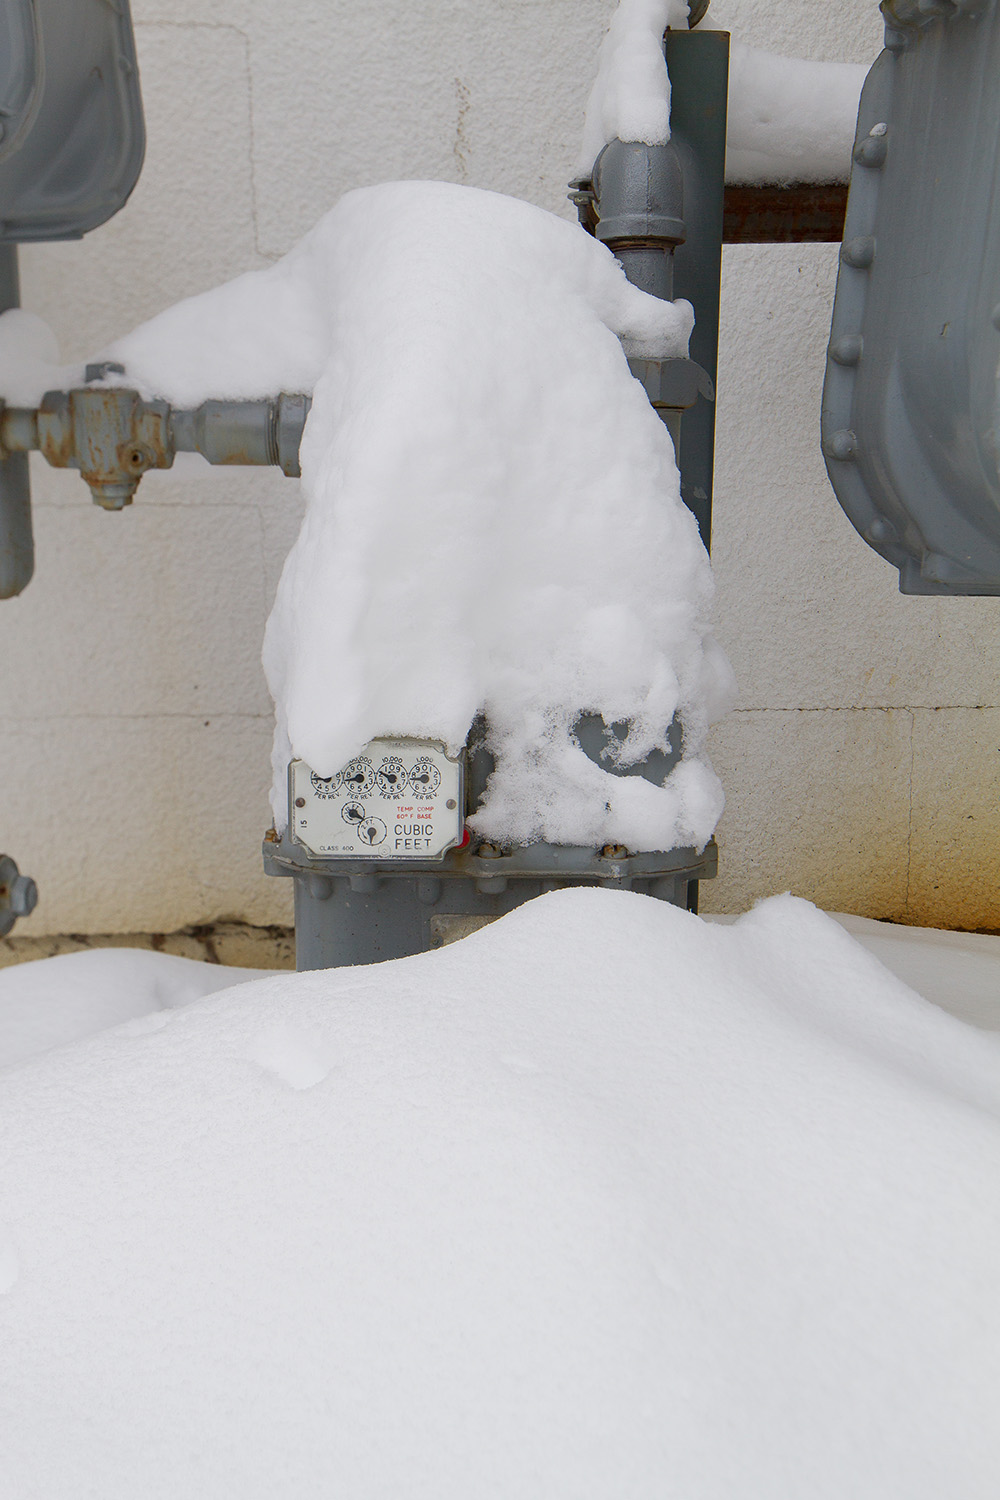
x,y
801,213
55,429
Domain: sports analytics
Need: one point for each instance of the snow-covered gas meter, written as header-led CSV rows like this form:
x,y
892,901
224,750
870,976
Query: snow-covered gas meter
x,y
400,799
383,862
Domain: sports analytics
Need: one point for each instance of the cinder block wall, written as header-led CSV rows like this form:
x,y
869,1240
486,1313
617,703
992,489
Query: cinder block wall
x,y
862,764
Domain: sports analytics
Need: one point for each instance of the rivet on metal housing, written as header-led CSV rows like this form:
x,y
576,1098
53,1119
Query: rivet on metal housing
x,y
842,445
872,151
846,350
859,253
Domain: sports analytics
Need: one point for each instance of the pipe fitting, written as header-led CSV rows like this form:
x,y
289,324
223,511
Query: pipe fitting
x,y
639,194
18,894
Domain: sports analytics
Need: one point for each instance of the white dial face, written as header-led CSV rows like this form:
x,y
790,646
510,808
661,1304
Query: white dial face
x,y
425,778
391,778
372,832
325,786
353,813
358,778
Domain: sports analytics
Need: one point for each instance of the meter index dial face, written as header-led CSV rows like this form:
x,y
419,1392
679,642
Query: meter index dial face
x,y
358,778
392,779
325,786
372,832
425,778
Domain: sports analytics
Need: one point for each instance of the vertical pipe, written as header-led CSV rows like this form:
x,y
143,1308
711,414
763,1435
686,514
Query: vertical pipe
x,y
17,548
698,64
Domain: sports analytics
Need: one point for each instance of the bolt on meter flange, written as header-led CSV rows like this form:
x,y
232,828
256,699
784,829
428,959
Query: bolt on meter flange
x,y
400,799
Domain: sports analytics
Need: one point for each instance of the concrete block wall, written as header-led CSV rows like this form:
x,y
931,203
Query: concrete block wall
x,y
862,763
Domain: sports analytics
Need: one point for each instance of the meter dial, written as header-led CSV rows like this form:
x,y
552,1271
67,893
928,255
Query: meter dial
x,y
391,777
372,831
425,778
325,786
358,778
353,813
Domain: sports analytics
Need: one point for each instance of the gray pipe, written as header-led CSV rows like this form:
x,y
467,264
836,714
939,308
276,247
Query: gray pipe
x,y
112,436
17,547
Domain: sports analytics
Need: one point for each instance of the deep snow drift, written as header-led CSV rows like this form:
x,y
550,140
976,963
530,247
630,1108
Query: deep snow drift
x,y
789,120
493,516
55,1001
604,1200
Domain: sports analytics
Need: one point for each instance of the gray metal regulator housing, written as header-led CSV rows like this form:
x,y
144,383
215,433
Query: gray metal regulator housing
x,y
910,423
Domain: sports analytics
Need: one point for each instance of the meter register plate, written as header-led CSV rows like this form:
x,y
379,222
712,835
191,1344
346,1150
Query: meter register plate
x,y
399,799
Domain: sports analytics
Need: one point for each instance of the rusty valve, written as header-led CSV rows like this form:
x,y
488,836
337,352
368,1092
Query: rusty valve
x,y
110,435
113,436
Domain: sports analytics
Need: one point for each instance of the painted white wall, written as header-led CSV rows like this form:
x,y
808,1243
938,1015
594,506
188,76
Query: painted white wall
x,y
862,765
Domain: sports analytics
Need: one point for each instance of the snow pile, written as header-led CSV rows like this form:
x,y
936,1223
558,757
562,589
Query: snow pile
x,y
29,359
959,971
790,120
602,1201
630,98
493,515
52,1002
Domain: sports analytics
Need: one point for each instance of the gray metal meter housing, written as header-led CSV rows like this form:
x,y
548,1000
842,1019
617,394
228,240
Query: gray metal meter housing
x,y
910,425
72,137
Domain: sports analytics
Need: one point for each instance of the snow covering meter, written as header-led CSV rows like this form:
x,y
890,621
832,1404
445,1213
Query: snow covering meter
x,y
399,799
381,859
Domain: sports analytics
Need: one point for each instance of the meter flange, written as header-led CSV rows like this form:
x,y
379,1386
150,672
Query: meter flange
x,y
400,799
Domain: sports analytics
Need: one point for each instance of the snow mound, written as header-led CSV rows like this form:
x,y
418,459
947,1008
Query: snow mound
x,y
604,1200
54,1001
957,970
493,515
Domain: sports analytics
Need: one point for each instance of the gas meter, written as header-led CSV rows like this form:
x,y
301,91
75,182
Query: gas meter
x,y
385,866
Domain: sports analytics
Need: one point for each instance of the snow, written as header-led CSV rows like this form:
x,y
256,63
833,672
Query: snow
x,y
960,971
630,98
790,119
493,516
56,1001
29,359
603,1200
